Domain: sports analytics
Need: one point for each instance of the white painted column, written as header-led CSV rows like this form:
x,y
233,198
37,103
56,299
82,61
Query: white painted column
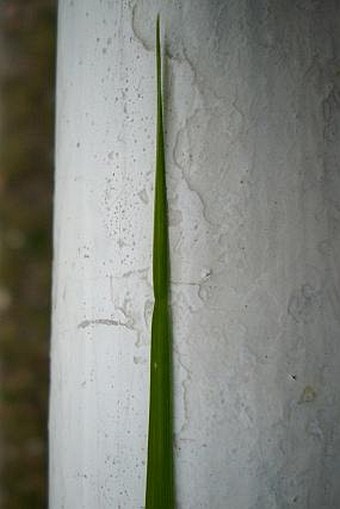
x,y
253,117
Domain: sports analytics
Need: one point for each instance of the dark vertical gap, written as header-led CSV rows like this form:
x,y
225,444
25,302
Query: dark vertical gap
x,y
27,63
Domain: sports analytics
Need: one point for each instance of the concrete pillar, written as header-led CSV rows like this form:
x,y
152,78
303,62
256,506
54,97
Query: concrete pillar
x,y
253,117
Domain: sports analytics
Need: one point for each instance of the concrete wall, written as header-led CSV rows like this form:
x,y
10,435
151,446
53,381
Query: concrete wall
x,y
253,116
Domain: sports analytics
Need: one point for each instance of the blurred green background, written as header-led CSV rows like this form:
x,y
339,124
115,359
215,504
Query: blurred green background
x,y
27,68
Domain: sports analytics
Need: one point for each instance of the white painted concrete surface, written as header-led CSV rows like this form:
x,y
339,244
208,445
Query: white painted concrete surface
x,y
253,117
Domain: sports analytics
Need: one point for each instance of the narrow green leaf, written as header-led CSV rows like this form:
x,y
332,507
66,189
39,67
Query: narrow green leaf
x,y
160,479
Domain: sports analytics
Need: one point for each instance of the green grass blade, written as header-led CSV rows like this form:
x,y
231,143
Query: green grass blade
x,y
160,483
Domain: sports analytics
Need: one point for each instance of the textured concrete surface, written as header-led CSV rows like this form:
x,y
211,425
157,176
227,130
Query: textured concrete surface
x,y
253,116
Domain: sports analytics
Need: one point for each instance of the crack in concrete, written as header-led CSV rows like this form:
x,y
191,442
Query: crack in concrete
x,y
135,30
185,388
102,321
180,133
